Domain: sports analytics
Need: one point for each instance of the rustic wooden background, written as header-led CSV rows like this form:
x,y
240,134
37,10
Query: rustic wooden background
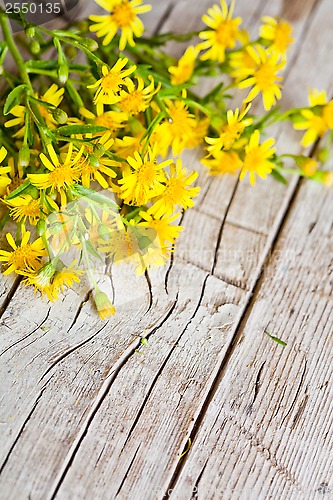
x,y
89,413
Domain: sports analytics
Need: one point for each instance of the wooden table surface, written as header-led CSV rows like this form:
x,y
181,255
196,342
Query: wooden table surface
x,y
87,412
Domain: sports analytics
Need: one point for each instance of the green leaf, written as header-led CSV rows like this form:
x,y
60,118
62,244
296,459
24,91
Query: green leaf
x,y
22,189
80,129
92,250
98,198
14,98
4,221
278,341
279,177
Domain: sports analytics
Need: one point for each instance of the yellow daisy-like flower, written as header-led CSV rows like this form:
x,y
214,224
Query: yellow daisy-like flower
x,y
264,77
256,160
52,96
197,133
231,131
278,32
111,83
62,174
185,67
123,16
136,99
315,126
66,277
176,131
128,145
223,162
122,244
224,32
167,232
146,179
317,97
24,257
113,120
328,114
241,62
177,192
25,207
42,281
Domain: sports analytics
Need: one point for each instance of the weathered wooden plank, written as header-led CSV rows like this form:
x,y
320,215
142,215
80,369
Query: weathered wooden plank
x,y
159,426
266,433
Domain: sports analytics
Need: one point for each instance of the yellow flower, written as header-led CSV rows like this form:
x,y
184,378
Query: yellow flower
x,y
256,160
61,175
317,97
113,120
52,96
136,99
111,82
264,77
223,34
223,162
104,307
314,124
25,257
122,244
185,67
92,166
4,179
177,192
231,131
197,133
42,281
66,277
166,231
177,130
328,114
146,179
25,207
123,16
128,145
278,32
241,62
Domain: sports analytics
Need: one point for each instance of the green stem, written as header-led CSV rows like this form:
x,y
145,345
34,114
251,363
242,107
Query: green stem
x,y
14,50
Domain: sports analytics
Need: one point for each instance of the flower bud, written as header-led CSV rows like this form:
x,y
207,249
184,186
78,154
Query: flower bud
x,y
30,32
63,73
24,156
35,47
94,161
99,150
60,116
104,307
41,227
91,44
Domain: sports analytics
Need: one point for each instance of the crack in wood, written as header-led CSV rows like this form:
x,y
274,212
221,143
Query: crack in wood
x,y
67,353
10,295
20,432
104,390
164,19
78,312
127,472
297,393
28,335
150,292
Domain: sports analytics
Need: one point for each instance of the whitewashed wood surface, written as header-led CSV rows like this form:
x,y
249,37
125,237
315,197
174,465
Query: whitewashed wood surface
x,y
88,413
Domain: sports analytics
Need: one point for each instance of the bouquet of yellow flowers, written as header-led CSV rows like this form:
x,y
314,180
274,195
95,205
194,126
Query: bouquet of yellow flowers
x,y
90,141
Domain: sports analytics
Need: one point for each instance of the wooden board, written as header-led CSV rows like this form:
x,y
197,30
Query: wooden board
x,y
106,416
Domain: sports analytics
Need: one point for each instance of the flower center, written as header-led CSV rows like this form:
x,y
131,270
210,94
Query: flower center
x,y
123,14
146,174
133,103
253,159
112,82
24,257
226,33
63,175
265,76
